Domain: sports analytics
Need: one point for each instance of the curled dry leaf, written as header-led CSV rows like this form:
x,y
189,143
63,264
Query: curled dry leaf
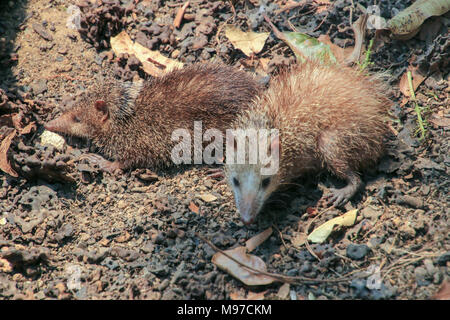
x,y
321,233
417,79
153,62
248,42
359,28
338,52
240,272
444,292
180,14
5,166
255,241
406,24
439,120
283,292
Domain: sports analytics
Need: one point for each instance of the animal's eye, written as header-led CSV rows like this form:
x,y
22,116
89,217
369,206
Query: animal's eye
x,y
236,182
76,119
265,182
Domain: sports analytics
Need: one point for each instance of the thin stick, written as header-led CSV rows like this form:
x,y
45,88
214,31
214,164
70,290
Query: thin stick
x,y
282,37
225,23
180,14
290,6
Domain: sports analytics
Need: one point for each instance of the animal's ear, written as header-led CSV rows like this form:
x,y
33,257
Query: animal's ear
x,y
101,106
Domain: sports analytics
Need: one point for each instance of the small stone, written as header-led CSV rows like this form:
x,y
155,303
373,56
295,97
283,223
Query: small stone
x,y
39,86
110,263
421,274
199,42
121,204
158,238
410,201
357,251
444,259
42,32
371,213
374,242
407,229
164,285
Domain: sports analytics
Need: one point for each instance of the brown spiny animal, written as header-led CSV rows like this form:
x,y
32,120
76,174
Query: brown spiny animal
x,y
133,123
327,117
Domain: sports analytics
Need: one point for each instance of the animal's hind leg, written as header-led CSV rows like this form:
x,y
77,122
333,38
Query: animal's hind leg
x,y
334,153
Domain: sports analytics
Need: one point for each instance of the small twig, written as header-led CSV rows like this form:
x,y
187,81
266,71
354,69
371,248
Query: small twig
x,y
291,6
180,14
323,20
173,5
293,28
282,37
307,230
66,77
225,23
278,277
281,236
404,262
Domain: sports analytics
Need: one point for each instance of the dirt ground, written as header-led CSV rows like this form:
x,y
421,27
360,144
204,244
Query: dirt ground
x,y
70,231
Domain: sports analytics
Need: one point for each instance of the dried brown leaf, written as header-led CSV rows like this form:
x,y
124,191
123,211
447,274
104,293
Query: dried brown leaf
x,y
339,53
240,272
439,121
444,292
4,147
417,79
193,207
248,42
153,62
28,128
255,241
283,292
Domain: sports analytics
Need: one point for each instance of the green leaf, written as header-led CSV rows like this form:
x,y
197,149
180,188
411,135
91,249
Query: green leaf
x,y
302,44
